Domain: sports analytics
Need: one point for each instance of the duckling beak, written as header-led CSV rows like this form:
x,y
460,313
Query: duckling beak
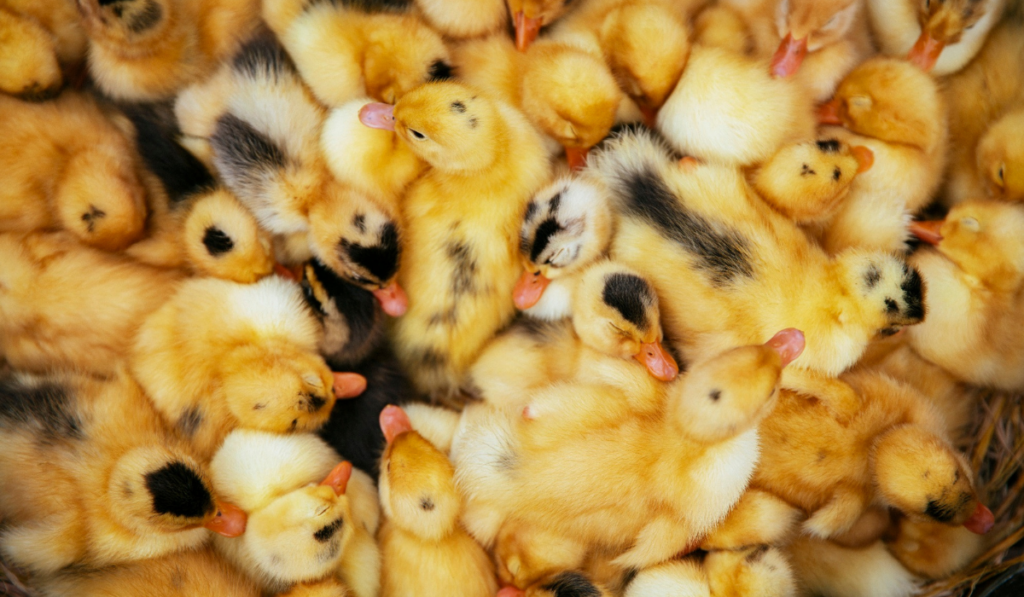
x,y
348,385
230,520
338,478
392,299
828,113
394,422
289,273
527,30
650,116
577,157
865,158
529,289
511,592
929,231
658,361
981,521
378,116
789,343
926,51
789,56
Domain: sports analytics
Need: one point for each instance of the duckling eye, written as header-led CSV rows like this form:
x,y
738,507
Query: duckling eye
x,y
970,224
417,134
999,174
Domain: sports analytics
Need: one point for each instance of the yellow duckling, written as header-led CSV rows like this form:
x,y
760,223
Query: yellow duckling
x,y
752,572
1000,157
42,38
462,19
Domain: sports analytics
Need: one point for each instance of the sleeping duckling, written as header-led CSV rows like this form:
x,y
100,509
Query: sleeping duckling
x,y
939,37
148,50
268,153
1001,157
567,226
462,220
933,550
92,477
424,547
64,304
728,109
753,572
63,164
307,520
974,275
897,112
808,182
210,368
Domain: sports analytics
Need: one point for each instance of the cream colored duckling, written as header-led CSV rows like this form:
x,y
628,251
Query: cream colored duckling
x,y
753,572
307,519
460,264
424,548
830,569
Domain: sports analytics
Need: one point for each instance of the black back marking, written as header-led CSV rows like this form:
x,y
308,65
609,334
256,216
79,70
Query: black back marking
x,y
440,71
473,122
836,174
92,216
49,407
243,151
807,171
630,295
572,584
717,249
324,534
872,276
357,305
145,19
427,504
178,490
263,56
829,145
463,269
432,359
189,421
359,221
458,107
217,242
380,260
715,394
913,294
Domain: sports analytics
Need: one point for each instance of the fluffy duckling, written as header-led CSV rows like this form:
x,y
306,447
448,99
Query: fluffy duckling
x,y
529,16
462,219
268,153
724,274
63,164
42,38
933,550
147,50
64,304
210,369
423,545
939,37
719,111
808,182
462,19
567,226
753,572
304,522
974,273
826,568
1001,157
92,477
897,112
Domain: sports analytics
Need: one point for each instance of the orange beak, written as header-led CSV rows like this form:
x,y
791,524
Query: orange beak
x,y
392,299
577,157
394,422
981,521
828,113
865,158
925,52
789,343
529,289
230,520
338,478
789,56
511,592
650,116
348,385
378,116
527,30
658,361
929,231
289,273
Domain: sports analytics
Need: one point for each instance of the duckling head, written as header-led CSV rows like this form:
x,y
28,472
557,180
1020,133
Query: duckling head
x,y
303,534
571,95
943,23
567,226
530,15
1000,157
891,100
450,126
646,71
757,570
222,239
402,54
417,481
807,26
924,477
154,489
736,389
615,311
887,293
127,21
983,238
351,316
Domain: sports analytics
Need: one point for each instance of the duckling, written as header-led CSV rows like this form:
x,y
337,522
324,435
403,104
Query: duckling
x,y
1001,157
209,369
462,221
757,571
29,67
808,182
148,50
939,37
933,550
424,547
974,273
304,524
93,478
724,273
826,568
719,110
65,165
560,584
58,307
462,19
529,16
268,154
897,112
567,226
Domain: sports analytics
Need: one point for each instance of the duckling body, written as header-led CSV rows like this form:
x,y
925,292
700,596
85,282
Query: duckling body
x,y
29,68
759,571
461,19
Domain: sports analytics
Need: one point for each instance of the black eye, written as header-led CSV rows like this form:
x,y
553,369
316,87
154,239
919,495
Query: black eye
x,y
417,134
1000,173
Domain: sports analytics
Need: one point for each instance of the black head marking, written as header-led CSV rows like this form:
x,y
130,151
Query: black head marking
x,y
178,490
807,171
242,153
314,402
473,122
427,504
872,276
531,210
217,242
92,216
630,295
145,19
359,221
463,269
458,107
836,174
439,71
913,294
189,421
263,56
357,305
324,534
555,203
891,307
715,394
545,230
572,584
48,407
829,145
380,260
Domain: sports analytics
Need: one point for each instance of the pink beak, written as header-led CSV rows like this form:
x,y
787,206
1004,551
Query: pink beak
x,y
926,51
392,299
788,57
789,343
981,521
929,231
658,361
378,116
394,422
529,289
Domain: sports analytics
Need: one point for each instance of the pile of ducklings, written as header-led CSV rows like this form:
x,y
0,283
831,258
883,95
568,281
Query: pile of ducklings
x,y
567,298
